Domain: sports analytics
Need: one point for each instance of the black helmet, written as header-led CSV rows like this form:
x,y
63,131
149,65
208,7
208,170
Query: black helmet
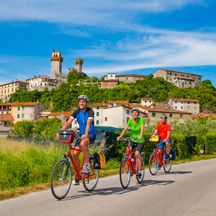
x,y
135,109
164,116
84,97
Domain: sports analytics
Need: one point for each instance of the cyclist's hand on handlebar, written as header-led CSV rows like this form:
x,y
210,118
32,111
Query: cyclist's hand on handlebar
x,y
57,136
119,138
84,136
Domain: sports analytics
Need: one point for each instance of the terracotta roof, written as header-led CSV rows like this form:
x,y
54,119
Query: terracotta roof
x,y
100,104
143,98
19,104
66,114
158,109
6,117
174,71
17,81
184,99
129,75
205,115
118,102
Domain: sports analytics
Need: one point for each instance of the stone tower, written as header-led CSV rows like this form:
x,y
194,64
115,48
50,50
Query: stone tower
x,y
79,63
56,65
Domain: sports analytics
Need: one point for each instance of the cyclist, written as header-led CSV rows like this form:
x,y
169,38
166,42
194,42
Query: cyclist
x,y
136,124
85,118
163,129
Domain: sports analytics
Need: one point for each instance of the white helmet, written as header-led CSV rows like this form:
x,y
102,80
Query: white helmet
x,y
84,97
135,109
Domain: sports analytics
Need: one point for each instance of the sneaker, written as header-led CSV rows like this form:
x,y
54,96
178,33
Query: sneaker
x,y
166,157
158,166
86,169
139,174
76,181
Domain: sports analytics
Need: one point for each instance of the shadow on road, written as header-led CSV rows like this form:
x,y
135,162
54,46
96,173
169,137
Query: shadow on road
x,y
180,172
103,191
117,190
159,182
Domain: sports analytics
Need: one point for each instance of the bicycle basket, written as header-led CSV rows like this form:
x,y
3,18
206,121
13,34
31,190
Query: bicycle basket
x,y
154,139
66,136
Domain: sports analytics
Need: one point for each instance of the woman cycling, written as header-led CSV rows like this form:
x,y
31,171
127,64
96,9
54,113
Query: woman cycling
x,y
136,124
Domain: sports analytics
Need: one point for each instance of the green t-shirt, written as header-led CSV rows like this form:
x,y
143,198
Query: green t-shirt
x,y
136,129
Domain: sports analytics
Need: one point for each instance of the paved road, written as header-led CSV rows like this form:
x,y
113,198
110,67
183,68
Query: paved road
x,y
189,190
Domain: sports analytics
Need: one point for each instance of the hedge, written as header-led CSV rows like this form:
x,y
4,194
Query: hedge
x,y
210,143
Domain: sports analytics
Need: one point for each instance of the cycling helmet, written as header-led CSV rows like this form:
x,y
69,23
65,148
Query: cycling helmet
x,y
84,97
135,109
164,116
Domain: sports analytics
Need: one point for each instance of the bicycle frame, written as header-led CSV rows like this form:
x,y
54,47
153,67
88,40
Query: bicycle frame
x,y
80,176
129,155
160,153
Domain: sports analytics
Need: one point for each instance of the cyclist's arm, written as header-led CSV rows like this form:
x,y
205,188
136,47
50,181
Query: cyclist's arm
x,y
141,131
155,133
89,122
67,123
123,132
168,135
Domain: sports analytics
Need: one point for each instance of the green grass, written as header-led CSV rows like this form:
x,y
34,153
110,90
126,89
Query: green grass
x,y
27,167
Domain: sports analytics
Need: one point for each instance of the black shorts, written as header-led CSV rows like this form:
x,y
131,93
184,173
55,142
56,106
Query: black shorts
x,y
139,146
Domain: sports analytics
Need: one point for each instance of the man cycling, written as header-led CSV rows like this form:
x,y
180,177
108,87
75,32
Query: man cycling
x,y
136,124
163,129
85,118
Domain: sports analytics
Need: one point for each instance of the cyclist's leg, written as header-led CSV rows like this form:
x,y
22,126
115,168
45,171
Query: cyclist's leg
x,y
168,146
84,146
138,155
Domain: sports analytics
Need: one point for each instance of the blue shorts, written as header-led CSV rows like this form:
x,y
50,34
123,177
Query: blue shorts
x,y
162,144
91,137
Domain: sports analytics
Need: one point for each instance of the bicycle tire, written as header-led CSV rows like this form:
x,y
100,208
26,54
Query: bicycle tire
x,y
167,166
61,182
153,169
140,180
124,167
91,181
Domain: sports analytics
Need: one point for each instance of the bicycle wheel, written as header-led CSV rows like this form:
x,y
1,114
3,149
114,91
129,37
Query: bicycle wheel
x,y
140,179
61,179
125,173
90,180
167,166
153,164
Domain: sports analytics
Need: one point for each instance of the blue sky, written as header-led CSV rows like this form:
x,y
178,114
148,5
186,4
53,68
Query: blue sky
x,y
111,36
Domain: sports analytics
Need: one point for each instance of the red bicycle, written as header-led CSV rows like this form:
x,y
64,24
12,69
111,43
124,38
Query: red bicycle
x,y
128,166
61,177
156,161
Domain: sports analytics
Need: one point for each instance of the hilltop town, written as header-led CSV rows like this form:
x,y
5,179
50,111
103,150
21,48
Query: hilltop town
x,y
26,100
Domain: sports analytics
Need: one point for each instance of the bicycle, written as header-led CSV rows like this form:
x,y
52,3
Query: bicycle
x,y
128,166
61,177
156,160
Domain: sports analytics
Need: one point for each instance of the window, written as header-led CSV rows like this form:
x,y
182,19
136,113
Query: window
x,y
18,108
18,115
23,108
97,122
98,108
22,115
97,113
170,115
106,118
175,107
181,115
128,112
153,114
181,107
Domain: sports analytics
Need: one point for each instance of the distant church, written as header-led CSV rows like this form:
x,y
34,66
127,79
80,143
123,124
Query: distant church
x,y
56,66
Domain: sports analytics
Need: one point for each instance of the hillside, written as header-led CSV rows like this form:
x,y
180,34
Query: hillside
x,y
65,96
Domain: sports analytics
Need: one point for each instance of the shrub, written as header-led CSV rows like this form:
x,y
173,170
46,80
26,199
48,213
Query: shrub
x,y
211,142
24,129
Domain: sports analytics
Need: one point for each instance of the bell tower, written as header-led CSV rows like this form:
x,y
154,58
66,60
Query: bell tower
x,y
79,63
56,65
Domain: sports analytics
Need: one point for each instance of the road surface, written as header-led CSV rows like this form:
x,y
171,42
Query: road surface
x,y
190,189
